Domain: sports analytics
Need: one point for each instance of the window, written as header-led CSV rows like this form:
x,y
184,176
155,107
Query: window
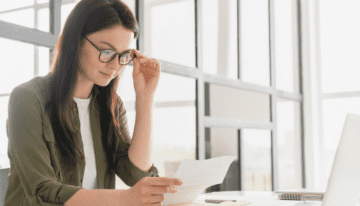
x,y
335,50
18,12
27,13
17,71
289,144
220,52
257,159
170,31
254,42
340,45
268,65
43,60
226,102
286,62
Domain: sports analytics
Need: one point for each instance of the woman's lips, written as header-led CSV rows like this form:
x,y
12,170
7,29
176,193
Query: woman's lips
x,y
105,74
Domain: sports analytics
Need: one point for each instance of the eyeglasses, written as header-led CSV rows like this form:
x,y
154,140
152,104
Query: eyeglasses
x,y
108,55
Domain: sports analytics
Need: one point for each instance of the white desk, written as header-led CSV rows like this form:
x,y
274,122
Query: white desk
x,y
244,195
257,198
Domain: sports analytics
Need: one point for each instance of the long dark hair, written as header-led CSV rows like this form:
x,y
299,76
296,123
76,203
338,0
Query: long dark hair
x,y
87,17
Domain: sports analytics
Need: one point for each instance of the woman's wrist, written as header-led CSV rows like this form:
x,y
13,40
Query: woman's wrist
x,y
144,98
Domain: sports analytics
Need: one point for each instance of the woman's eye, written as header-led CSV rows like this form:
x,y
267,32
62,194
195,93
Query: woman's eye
x,y
107,52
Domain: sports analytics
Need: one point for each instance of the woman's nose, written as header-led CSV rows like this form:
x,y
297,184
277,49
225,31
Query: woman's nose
x,y
115,64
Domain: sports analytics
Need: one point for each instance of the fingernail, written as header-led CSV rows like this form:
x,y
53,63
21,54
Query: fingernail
x,y
174,189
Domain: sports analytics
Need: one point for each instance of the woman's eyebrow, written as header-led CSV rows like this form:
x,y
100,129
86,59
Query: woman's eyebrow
x,y
129,50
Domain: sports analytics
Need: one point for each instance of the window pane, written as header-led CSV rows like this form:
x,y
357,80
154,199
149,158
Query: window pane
x,y
42,1
226,102
17,72
340,45
43,20
289,141
256,153
4,160
44,60
175,88
170,31
126,89
24,17
219,147
20,12
220,40
285,66
174,136
254,44
335,111
18,4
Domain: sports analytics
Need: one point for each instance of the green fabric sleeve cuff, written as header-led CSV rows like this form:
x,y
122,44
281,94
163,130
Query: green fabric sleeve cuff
x,y
65,192
133,174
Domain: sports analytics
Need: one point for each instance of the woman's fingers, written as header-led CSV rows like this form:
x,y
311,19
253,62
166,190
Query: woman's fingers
x,y
155,181
163,189
145,60
157,198
138,54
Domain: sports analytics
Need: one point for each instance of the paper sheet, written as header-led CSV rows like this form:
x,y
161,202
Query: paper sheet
x,y
197,175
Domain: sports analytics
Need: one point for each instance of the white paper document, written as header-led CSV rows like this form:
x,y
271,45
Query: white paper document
x,y
197,175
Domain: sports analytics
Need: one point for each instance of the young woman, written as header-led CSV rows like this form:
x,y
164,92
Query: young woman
x,y
68,130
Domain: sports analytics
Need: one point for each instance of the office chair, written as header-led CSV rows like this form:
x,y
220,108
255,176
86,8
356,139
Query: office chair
x,y
3,184
231,180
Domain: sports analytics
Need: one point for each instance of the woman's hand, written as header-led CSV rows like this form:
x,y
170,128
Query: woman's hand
x,y
146,74
149,190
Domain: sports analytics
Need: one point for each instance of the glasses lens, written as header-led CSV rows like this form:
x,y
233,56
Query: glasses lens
x,y
125,58
107,55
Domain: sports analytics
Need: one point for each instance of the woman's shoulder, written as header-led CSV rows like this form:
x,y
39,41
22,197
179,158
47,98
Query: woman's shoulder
x,y
36,83
37,86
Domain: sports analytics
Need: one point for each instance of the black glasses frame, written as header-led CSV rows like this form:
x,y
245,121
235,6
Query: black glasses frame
x,y
100,50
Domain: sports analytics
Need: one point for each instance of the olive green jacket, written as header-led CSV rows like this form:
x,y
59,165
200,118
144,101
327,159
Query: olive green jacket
x,y
38,176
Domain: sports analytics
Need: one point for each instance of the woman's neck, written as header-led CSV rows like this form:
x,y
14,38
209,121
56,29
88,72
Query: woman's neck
x,y
83,89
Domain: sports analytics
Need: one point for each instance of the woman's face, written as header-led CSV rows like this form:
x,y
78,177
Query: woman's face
x,y
91,70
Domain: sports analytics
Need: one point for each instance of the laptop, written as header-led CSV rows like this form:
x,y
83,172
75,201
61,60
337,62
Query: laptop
x,y
343,187
344,182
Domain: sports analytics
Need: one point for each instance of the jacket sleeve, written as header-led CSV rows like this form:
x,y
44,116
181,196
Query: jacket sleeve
x,y
30,154
125,169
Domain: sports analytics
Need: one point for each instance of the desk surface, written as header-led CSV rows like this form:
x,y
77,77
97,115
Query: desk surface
x,y
244,195
257,198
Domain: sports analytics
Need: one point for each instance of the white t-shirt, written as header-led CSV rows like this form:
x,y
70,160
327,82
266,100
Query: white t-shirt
x,y
90,180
